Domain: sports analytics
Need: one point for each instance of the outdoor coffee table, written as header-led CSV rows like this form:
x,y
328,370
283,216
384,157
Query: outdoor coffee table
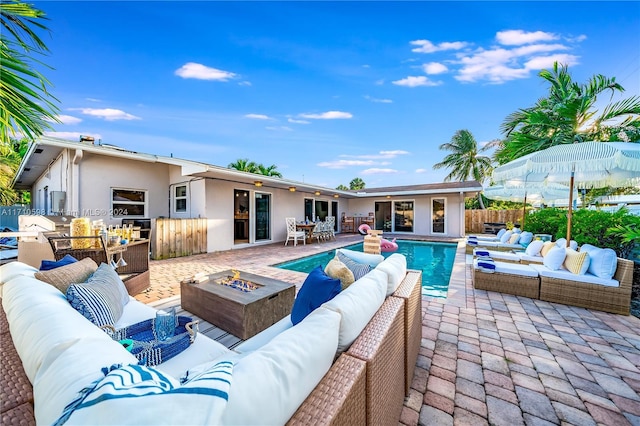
x,y
241,313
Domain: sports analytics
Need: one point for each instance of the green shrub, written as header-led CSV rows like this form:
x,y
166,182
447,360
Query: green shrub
x,y
545,221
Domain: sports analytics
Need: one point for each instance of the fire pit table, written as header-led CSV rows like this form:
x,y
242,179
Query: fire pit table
x,y
241,303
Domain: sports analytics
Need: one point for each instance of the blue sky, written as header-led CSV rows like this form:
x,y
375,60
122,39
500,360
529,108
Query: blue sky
x,y
327,91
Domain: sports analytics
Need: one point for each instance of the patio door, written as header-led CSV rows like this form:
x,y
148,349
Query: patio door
x,y
263,216
383,216
240,216
438,216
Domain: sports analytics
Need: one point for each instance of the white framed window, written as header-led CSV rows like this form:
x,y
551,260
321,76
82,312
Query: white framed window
x,y
129,202
180,197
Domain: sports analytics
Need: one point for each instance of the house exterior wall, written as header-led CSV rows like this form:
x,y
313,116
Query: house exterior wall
x,y
54,179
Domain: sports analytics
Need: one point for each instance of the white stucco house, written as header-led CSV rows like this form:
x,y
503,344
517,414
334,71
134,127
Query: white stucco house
x,y
111,183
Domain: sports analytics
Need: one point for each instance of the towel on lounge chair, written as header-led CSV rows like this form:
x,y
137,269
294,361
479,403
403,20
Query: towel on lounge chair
x,y
472,241
480,253
487,266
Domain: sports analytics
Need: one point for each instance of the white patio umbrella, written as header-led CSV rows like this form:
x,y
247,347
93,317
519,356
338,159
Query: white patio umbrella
x,y
578,165
519,191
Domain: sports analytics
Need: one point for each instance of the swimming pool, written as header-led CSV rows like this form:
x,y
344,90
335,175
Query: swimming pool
x,y
434,259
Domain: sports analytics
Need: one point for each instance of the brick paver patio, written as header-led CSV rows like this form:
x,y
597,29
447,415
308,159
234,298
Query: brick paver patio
x,y
487,358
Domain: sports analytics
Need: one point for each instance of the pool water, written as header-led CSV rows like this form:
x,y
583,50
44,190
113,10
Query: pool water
x,y
434,259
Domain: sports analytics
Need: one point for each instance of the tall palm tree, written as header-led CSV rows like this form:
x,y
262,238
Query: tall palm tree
x,y
244,165
567,115
356,183
268,170
465,160
341,187
26,106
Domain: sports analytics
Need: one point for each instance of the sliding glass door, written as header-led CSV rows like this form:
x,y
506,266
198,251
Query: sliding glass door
x,y
403,221
438,215
263,216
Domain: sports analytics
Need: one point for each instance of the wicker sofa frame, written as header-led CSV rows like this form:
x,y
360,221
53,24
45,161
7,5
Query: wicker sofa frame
x,y
616,300
135,275
365,385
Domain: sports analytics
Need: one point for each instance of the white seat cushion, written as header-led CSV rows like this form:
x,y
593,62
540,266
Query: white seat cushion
x,y
563,274
512,268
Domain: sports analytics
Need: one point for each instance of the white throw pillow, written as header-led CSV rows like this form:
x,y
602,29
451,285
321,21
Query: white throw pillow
x,y
371,259
357,304
505,237
395,266
534,248
561,242
525,238
554,258
604,262
501,232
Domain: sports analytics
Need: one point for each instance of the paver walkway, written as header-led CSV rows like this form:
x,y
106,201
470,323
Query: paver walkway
x,y
486,358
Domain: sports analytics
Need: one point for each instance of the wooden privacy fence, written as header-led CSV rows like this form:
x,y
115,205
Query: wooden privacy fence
x,y
474,219
178,237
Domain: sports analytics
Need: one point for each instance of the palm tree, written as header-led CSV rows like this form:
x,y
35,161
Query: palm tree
x,y
244,165
356,183
26,106
464,160
341,187
10,158
567,115
268,171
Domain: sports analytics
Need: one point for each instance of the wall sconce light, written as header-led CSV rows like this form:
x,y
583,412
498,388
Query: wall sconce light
x,y
292,189
257,183
335,196
388,196
317,192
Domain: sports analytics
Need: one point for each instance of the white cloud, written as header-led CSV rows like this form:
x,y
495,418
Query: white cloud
x,y
395,152
65,119
412,81
202,72
245,83
108,114
366,66
257,116
341,164
434,68
422,170
425,46
379,82
292,120
93,100
279,128
329,115
72,136
576,39
376,100
375,171
381,155
542,62
519,37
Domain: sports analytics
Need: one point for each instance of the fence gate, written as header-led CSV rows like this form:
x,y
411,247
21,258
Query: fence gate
x,y
178,237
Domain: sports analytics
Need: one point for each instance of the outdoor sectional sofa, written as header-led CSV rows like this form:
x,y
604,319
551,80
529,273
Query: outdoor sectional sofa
x,y
350,361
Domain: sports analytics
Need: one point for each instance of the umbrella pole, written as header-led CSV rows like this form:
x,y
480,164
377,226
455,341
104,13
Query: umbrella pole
x,y
570,213
524,210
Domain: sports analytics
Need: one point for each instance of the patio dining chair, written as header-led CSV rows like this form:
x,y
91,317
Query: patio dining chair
x,y
319,231
293,233
329,227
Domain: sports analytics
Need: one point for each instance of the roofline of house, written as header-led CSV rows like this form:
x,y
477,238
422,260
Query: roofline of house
x,y
196,168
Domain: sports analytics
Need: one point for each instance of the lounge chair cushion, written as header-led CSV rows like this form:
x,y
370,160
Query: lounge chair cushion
x,y
576,262
62,277
546,246
603,262
534,248
511,268
317,288
554,258
357,305
515,238
506,237
395,266
47,265
564,274
336,269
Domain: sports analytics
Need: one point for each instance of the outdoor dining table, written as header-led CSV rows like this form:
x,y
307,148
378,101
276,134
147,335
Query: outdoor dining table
x,y
307,228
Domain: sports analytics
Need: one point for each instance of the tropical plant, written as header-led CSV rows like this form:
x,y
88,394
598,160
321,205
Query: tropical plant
x,y
465,160
11,154
26,106
341,187
244,165
356,183
567,115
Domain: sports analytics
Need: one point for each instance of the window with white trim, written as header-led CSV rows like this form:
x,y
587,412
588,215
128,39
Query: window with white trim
x,y
128,202
180,199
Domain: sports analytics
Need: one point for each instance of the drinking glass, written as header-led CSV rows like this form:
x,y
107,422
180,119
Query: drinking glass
x,y
165,324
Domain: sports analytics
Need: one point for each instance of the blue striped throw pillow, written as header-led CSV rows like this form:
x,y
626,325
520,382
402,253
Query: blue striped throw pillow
x,y
359,269
100,301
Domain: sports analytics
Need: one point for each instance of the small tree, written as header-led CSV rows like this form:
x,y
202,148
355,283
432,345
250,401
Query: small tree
x,y
356,183
341,187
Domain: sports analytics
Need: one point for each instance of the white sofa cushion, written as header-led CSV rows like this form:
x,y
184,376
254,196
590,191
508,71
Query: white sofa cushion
x,y
270,384
357,304
371,259
554,258
534,248
10,270
395,266
75,365
604,262
41,321
145,396
563,274
265,336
